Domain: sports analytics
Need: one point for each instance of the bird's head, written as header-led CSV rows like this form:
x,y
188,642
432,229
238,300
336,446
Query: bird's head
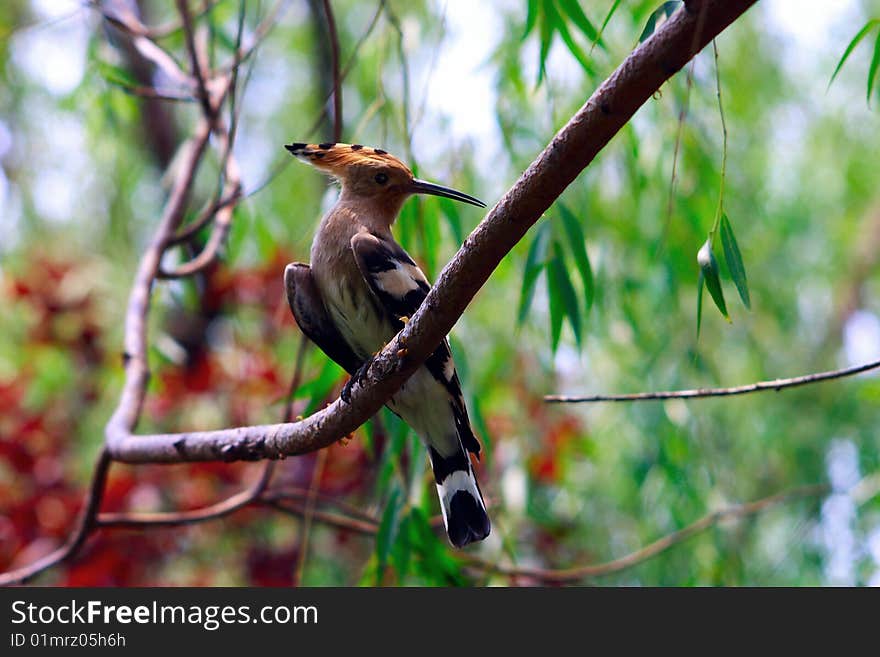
x,y
371,174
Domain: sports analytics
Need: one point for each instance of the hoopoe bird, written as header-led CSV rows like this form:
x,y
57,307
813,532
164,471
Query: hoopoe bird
x,y
360,290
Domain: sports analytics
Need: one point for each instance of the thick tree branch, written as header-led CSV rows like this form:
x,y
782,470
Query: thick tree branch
x,y
572,149
760,386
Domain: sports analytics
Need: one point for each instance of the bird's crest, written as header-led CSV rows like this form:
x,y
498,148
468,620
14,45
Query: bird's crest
x,y
336,158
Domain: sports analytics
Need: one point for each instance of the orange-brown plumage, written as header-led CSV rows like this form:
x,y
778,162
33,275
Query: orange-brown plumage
x,y
335,159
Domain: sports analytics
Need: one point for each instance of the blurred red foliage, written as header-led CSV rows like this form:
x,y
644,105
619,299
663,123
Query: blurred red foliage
x,y
47,446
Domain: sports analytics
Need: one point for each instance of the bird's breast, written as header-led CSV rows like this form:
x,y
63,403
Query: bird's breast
x,y
352,306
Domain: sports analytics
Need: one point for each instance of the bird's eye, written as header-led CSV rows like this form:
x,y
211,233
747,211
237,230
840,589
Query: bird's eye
x,y
381,178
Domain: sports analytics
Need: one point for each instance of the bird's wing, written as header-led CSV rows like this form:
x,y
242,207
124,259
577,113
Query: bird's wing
x,y
391,274
311,315
401,287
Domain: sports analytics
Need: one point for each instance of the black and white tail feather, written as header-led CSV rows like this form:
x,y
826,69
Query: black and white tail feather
x,y
461,502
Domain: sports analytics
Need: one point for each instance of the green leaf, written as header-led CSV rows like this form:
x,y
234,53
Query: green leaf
x,y
387,531
435,562
572,9
534,264
607,20
557,312
531,17
402,549
546,32
577,245
558,274
666,10
115,75
734,260
318,388
852,45
453,218
872,70
709,267
429,237
573,47
700,283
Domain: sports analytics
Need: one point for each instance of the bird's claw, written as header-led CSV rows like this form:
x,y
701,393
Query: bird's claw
x,y
357,377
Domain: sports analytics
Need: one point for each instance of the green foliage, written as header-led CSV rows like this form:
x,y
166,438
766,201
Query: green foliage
x,y
598,297
734,261
665,10
711,277
867,28
554,17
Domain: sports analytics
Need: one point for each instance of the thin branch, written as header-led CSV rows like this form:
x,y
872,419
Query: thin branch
x,y
243,53
404,77
308,516
327,518
296,379
127,520
205,216
720,207
679,133
282,164
349,64
571,150
222,218
132,24
85,525
334,65
432,66
127,412
569,575
776,384
234,106
282,493
195,61
144,91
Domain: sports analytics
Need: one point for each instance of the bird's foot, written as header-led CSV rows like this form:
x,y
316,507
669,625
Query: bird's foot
x,y
357,377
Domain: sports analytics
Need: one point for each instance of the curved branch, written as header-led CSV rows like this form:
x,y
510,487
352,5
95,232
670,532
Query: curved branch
x,y
205,216
127,412
569,575
327,518
349,64
243,53
760,386
570,151
87,522
226,507
222,217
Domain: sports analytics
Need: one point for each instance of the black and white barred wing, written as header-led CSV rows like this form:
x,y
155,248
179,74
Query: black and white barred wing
x,y
401,287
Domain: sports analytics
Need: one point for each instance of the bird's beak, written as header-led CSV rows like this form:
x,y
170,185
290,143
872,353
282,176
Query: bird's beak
x,y
424,187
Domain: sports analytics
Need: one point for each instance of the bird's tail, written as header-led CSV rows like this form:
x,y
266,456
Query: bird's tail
x,y
464,512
